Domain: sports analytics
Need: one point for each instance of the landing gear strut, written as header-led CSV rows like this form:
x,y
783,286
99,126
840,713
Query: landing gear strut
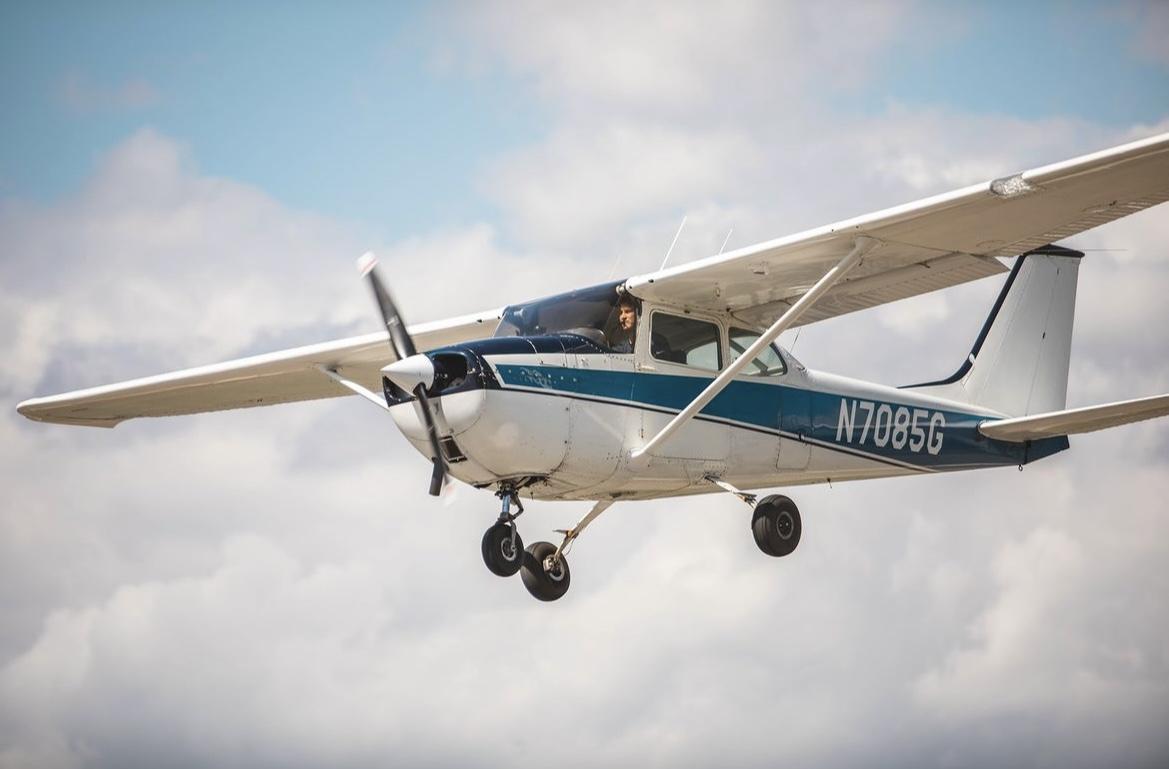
x,y
503,550
545,573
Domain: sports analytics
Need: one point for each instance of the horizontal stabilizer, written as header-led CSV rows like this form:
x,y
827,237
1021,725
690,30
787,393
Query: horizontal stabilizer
x,y
1071,421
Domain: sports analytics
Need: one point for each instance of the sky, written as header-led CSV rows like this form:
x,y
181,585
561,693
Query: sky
x,y
187,183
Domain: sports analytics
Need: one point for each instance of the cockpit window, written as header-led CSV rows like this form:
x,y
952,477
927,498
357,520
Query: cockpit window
x,y
686,340
767,363
589,312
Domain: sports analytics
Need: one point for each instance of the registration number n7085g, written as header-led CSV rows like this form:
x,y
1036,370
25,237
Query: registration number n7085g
x,y
882,424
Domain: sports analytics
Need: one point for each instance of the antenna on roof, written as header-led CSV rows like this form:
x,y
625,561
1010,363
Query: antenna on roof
x,y
727,238
613,269
676,234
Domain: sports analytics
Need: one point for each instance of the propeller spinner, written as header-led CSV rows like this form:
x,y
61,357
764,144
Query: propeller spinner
x,y
412,372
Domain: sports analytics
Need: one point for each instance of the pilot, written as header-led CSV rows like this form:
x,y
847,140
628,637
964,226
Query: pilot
x,y
624,336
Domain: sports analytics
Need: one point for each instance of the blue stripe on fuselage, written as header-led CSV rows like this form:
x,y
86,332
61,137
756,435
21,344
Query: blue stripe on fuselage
x,y
793,412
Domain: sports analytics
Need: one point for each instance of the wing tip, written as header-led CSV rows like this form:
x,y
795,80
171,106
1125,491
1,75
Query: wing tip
x,y
36,410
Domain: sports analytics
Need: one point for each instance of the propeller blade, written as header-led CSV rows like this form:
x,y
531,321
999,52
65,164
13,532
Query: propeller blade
x,y
399,338
438,473
404,348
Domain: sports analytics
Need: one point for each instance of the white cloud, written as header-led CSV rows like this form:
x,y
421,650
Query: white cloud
x,y
1069,631
666,60
595,179
152,256
660,108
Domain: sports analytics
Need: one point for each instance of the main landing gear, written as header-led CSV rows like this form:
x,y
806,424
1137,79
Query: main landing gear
x,y
543,566
545,572
776,525
775,522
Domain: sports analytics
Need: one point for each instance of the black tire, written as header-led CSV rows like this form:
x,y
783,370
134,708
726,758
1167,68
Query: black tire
x,y
776,525
544,585
498,554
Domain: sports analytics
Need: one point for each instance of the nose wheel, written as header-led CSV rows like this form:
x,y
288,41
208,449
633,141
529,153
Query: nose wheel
x,y
503,550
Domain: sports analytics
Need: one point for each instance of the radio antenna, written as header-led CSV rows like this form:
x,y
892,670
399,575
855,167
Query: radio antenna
x,y
613,269
727,238
671,250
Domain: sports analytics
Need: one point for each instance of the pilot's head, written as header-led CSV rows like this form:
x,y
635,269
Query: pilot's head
x,y
627,313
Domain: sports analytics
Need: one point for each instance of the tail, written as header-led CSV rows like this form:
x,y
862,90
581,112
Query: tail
x,y
1019,364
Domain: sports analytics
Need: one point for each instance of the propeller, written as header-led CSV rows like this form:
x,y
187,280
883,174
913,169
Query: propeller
x,y
411,371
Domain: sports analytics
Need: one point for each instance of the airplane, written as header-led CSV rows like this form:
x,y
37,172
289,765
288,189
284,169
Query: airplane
x,y
671,383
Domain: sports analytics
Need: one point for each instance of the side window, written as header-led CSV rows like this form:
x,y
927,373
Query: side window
x,y
767,363
686,340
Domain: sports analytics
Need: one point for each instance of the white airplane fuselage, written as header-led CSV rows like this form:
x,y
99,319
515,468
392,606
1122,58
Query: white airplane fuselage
x,y
560,417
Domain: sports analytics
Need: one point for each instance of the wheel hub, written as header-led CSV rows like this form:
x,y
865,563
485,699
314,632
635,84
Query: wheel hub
x,y
784,525
553,569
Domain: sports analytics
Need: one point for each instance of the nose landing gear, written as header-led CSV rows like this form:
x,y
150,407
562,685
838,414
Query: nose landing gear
x,y
503,550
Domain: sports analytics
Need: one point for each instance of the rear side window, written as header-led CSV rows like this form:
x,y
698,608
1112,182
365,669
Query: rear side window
x,y
688,341
767,363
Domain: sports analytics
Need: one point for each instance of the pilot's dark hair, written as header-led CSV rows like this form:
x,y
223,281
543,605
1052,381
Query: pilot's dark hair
x,y
628,300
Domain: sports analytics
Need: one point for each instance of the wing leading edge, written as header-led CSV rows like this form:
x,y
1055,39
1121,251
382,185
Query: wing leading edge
x,y
926,245
261,380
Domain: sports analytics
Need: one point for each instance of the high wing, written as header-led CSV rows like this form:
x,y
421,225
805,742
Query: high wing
x,y
1071,421
923,246
261,380
927,245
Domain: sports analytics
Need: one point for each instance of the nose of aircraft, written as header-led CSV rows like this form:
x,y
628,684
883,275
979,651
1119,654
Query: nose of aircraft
x,y
410,372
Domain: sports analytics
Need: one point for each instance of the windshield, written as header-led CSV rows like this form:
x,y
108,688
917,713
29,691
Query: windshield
x,y
767,363
589,312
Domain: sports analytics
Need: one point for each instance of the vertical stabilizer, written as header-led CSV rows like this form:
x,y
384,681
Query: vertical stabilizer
x,y
1019,364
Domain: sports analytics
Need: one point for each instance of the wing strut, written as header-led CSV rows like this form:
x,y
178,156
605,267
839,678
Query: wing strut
x,y
354,387
861,246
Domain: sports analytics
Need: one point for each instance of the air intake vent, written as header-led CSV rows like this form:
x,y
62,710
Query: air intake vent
x,y
451,450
